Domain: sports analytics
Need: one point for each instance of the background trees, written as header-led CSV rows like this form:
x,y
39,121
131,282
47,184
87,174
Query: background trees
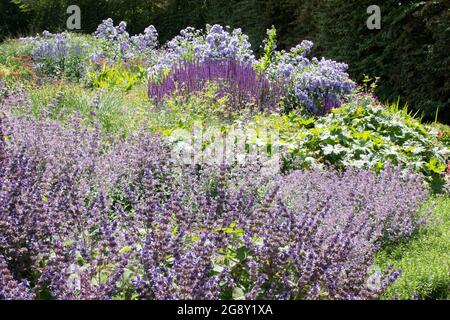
x,y
409,53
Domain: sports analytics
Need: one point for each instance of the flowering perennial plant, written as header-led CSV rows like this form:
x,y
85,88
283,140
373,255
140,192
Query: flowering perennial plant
x,y
147,40
87,217
71,55
235,80
60,54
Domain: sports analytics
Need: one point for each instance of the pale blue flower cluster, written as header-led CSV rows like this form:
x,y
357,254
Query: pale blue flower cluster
x,y
221,44
49,46
121,44
315,84
107,30
146,41
323,84
71,53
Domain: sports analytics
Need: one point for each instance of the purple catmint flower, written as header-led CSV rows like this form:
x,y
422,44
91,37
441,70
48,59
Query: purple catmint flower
x,y
10,288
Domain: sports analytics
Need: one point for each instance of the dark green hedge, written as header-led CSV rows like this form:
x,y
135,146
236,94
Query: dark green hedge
x,y
411,52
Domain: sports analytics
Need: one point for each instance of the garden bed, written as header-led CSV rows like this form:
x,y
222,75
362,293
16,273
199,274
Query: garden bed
x,y
195,170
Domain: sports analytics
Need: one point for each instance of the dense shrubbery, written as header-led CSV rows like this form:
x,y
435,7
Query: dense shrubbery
x,y
409,53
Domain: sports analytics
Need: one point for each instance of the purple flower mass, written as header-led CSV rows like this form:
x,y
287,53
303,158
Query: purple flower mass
x,y
216,43
102,220
239,82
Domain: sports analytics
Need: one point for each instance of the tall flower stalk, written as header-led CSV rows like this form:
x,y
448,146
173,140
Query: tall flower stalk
x,y
237,81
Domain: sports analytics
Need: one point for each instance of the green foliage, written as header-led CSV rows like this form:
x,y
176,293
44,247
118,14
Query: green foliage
x,y
295,20
250,15
179,113
425,260
443,133
369,85
138,13
13,48
13,21
15,65
38,13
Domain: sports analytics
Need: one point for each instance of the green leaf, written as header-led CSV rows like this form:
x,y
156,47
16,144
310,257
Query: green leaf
x,y
238,294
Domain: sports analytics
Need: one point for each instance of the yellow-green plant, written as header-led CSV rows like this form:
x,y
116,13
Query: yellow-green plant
x,y
116,77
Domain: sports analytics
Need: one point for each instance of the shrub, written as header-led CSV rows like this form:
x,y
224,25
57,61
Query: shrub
x,y
412,67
